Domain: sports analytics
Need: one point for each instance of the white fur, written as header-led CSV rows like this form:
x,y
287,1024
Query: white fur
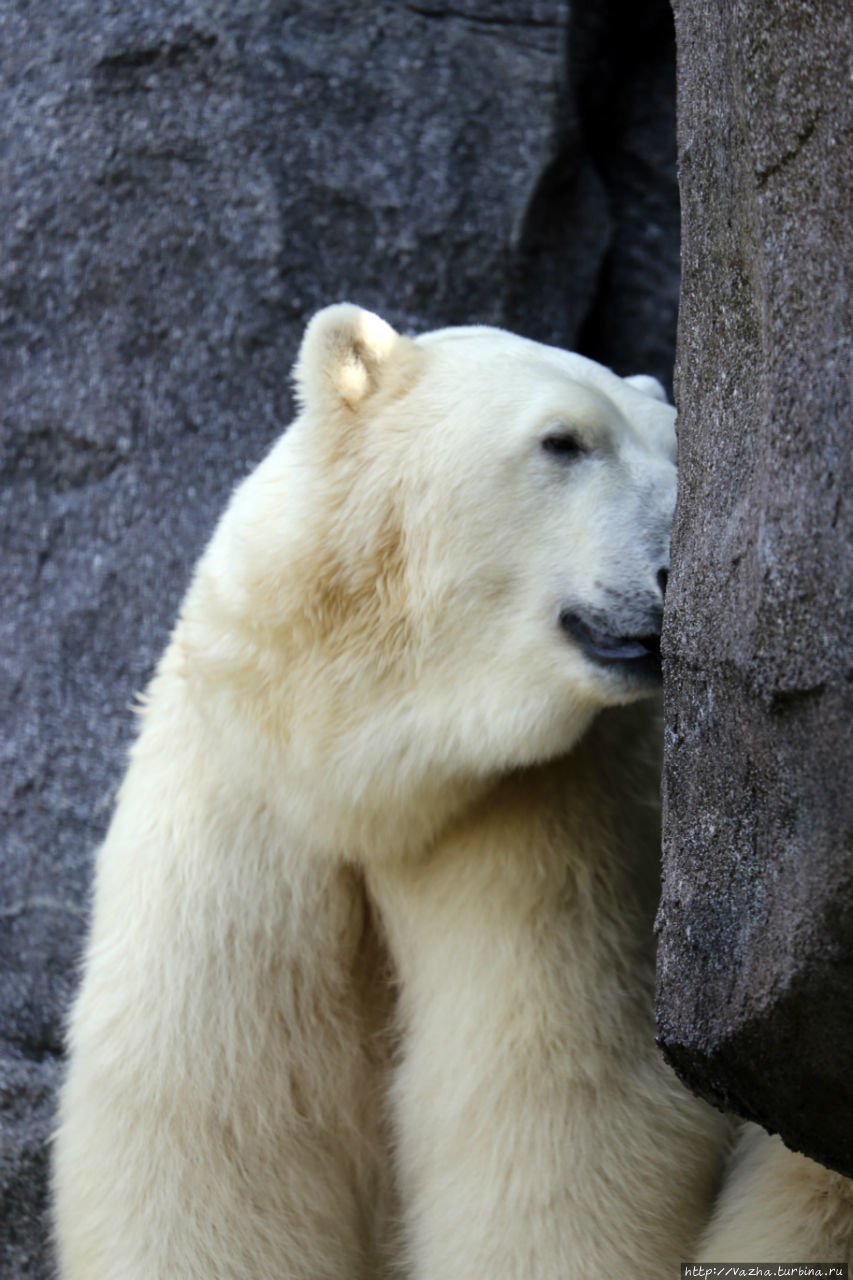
x,y
369,984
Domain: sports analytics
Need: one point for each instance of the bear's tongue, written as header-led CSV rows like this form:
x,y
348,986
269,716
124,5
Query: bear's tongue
x,y
604,647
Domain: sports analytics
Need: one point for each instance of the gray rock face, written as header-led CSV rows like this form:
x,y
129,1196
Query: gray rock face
x,y
756,920
184,183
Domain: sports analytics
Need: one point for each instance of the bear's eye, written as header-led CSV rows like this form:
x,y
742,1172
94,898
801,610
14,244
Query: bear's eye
x,y
563,445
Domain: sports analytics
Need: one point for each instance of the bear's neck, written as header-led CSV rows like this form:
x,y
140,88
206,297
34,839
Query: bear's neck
x,y
368,762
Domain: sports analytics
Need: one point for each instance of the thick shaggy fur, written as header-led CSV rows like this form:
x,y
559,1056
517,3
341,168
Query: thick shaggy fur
x,y
368,991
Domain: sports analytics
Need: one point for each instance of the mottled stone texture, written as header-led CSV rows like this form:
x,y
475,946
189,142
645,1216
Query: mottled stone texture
x,y
184,183
756,921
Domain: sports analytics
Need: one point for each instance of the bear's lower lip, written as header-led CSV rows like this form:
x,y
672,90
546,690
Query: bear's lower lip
x,y
637,654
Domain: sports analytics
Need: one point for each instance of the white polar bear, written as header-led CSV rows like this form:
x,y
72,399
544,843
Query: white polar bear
x,y
369,985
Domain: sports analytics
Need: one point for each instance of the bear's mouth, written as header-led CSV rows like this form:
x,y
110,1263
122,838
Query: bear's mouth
x,y
637,654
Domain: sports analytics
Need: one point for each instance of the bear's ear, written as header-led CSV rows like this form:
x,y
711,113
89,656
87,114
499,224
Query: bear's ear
x,y
343,359
648,385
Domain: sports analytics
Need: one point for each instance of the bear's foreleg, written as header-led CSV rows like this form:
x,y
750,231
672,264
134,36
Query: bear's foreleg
x,y
778,1206
538,1133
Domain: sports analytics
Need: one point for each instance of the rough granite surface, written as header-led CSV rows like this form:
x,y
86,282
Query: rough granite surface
x,y
756,918
184,183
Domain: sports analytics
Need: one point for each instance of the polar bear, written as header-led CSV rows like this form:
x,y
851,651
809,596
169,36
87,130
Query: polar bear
x,y
368,991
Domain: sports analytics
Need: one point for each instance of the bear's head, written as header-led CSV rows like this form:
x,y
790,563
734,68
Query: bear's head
x,y
459,548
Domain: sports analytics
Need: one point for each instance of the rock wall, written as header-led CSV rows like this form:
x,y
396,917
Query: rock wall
x,y
756,919
185,182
